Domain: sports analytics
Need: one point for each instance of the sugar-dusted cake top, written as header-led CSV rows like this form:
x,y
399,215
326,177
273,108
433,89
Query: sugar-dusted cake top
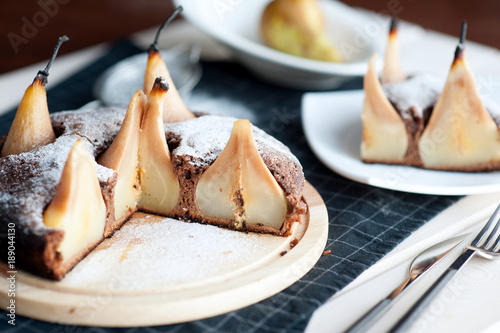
x,y
99,126
419,92
204,138
28,181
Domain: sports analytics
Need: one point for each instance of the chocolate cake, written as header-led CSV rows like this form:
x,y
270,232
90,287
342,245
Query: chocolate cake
x,y
29,180
71,179
417,122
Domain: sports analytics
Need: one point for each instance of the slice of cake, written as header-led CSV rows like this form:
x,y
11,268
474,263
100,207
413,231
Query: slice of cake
x,y
414,121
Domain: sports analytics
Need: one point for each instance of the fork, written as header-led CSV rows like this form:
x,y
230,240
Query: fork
x,y
484,244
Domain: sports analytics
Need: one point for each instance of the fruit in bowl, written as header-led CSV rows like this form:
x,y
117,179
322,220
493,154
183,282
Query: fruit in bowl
x,y
297,27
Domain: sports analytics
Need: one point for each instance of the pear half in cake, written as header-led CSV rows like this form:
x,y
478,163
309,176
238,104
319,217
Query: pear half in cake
x,y
238,186
78,206
123,157
392,67
461,134
174,108
385,138
31,127
159,184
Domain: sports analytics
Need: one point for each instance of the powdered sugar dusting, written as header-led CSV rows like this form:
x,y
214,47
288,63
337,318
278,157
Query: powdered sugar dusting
x,y
150,252
418,92
205,137
99,127
29,180
28,183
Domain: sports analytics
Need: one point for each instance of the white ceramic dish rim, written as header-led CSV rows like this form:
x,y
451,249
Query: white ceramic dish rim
x,y
245,45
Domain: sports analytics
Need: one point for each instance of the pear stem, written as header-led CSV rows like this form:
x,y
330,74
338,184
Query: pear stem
x,y
161,84
464,32
43,74
461,44
154,47
394,25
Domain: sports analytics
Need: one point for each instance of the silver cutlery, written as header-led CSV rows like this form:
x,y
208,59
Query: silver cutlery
x,y
486,244
419,265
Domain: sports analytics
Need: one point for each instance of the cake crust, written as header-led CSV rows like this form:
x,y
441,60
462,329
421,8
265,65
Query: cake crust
x,y
195,146
29,181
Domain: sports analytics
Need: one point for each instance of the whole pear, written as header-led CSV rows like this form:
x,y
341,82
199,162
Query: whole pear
x,y
297,27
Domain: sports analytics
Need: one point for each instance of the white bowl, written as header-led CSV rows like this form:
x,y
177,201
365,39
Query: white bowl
x,y
236,23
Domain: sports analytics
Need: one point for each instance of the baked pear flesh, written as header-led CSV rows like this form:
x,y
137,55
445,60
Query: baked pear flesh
x,y
239,186
159,184
31,127
392,67
123,157
385,138
461,133
78,206
297,27
174,108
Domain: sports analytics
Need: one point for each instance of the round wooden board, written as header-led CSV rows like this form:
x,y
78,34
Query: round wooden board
x,y
103,289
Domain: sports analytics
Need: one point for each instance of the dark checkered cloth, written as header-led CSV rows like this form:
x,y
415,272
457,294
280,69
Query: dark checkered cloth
x,y
365,222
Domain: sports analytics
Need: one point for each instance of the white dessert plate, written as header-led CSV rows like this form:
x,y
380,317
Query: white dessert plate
x,y
118,84
332,126
157,271
237,25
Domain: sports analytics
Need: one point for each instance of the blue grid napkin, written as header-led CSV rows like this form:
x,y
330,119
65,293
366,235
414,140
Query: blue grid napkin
x,y
365,222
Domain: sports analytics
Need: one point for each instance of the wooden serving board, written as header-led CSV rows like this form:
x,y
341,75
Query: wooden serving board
x,y
157,271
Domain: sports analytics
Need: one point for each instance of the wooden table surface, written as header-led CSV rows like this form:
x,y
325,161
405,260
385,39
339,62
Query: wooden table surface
x,y
30,29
